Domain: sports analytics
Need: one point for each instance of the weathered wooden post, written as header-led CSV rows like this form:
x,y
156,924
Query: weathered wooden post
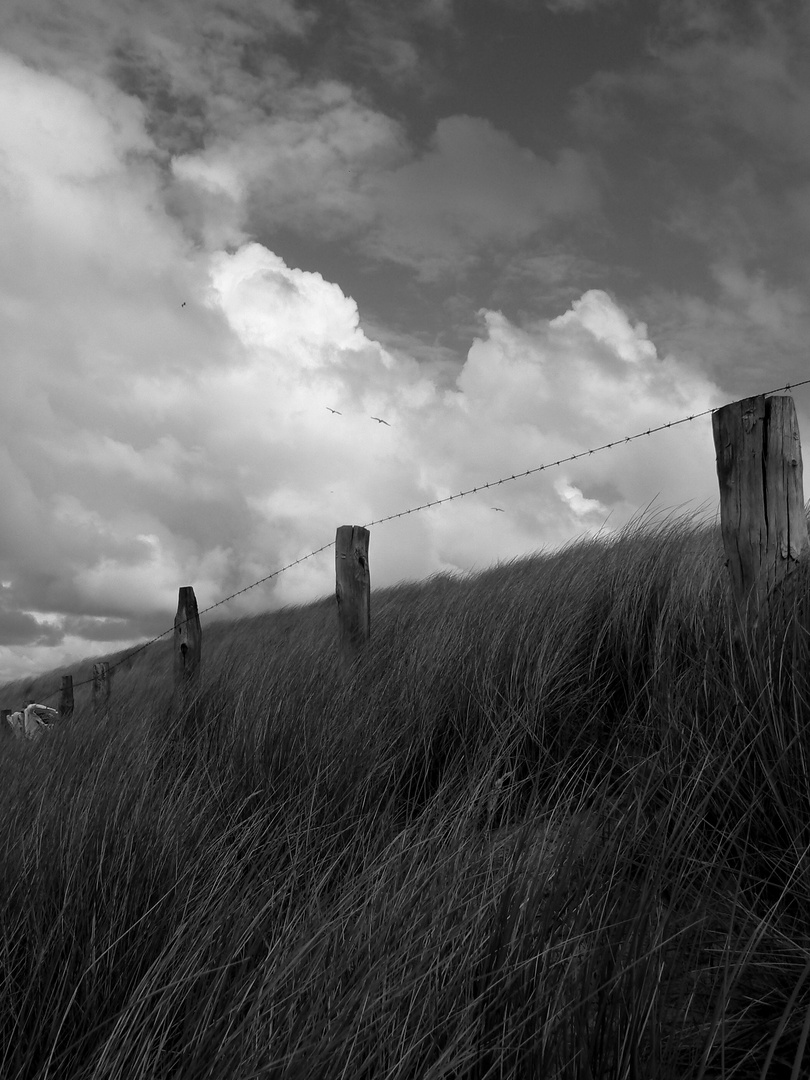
x,y
66,697
4,724
101,684
187,656
763,523
187,639
352,590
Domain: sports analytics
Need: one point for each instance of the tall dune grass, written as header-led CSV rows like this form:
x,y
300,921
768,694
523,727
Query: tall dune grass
x,y
553,824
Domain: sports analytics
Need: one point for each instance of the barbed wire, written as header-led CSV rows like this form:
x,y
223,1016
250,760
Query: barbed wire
x,y
425,506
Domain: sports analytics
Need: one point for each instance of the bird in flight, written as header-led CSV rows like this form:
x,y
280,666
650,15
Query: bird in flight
x,y
183,304
379,421
335,411
498,508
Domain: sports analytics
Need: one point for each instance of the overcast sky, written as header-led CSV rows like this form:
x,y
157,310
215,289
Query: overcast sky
x,y
513,229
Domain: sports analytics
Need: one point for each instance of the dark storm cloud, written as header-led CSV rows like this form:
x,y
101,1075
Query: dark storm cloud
x,y
102,630
577,7
717,109
387,47
176,120
711,130
474,190
21,628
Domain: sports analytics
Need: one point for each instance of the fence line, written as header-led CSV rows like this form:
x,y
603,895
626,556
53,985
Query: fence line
x,y
424,506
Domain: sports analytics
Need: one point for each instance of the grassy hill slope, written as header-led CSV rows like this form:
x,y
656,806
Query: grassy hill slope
x,y
553,825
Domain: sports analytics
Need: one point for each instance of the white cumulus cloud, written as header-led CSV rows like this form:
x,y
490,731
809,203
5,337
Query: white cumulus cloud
x,y
165,417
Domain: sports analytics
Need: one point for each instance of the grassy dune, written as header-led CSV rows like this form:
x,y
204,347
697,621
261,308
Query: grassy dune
x,y
554,826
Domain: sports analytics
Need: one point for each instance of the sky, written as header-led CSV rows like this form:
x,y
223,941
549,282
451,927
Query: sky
x,y
512,229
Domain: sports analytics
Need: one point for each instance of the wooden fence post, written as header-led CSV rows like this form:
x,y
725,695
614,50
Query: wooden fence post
x,y
187,656
352,590
6,726
101,683
762,516
187,639
66,697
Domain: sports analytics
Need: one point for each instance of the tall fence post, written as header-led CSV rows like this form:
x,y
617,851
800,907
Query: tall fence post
x,y
66,697
187,639
352,590
762,516
101,684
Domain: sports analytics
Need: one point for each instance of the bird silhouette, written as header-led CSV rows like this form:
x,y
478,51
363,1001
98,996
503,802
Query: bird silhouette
x,y
335,411
498,508
379,421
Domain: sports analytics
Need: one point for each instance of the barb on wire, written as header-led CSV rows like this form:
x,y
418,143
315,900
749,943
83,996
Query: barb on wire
x,y
439,502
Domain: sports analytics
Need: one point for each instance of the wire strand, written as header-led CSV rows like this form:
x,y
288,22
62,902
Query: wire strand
x,y
437,502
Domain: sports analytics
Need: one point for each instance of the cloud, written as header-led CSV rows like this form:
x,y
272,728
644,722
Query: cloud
x,y
530,283
533,394
750,336
395,51
765,308
156,445
386,38
20,628
723,84
326,166
148,445
717,202
158,50
142,430
473,189
244,143
597,369
583,508
561,7
244,147
576,7
598,316
759,86
303,168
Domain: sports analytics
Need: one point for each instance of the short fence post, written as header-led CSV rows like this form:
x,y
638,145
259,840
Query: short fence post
x,y
187,656
187,638
101,683
66,697
6,726
352,590
763,522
